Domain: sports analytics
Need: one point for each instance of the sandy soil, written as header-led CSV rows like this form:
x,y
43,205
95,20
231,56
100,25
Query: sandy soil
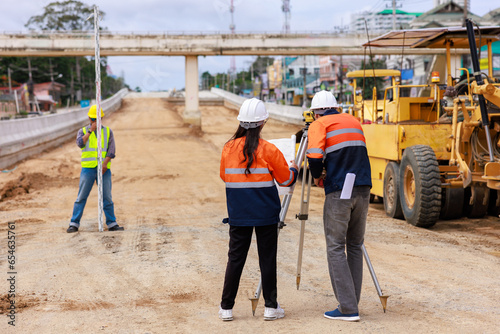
x,y
164,273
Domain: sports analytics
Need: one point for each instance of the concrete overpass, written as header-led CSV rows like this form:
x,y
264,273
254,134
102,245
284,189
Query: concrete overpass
x,y
190,45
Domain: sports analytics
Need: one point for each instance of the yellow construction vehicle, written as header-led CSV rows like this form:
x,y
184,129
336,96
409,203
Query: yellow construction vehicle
x,y
434,152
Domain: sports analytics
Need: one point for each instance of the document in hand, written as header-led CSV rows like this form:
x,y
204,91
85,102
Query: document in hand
x,y
287,147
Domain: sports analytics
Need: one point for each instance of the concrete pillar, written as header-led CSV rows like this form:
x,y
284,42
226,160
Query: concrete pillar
x,y
192,113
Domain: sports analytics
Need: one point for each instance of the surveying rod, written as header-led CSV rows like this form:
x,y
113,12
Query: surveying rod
x,y
98,116
383,299
304,200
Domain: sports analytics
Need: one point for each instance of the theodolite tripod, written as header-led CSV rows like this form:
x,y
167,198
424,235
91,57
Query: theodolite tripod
x,y
303,215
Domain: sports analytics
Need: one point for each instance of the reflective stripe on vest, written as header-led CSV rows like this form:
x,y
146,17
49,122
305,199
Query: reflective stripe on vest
x,y
342,131
335,140
287,182
89,152
244,184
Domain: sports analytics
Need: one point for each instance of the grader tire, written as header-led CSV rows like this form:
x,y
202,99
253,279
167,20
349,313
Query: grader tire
x,y
452,202
420,186
392,202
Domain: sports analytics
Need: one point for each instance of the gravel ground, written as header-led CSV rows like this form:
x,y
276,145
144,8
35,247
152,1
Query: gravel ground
x,y
164,273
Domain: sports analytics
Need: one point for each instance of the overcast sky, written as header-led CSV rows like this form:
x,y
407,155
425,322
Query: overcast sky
x,y
162,73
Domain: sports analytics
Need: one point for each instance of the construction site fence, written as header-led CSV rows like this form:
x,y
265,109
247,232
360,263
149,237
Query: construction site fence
x,y
22,138
283,113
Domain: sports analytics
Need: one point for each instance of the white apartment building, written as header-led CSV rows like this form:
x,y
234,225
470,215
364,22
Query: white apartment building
x,y
380,22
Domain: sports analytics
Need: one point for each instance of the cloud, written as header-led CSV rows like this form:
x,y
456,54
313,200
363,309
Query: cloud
x,y
205,16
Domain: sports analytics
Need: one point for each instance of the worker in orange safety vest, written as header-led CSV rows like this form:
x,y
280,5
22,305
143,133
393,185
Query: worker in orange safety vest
x,y
249,166
336,143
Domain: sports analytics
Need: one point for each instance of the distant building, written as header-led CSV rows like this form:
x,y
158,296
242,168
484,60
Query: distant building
x,y
458,2
447,14
380,22
332,73
48,94
493,16
293,84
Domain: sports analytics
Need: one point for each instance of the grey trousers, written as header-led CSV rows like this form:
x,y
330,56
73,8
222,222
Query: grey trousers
x,y
344,222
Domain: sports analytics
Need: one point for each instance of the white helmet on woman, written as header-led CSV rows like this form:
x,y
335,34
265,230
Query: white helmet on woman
x,y
322,101
252,114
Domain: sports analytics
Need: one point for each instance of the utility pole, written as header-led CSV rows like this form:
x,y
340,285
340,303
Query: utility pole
x,y
10,80
465,12
341,93
286,11
31,85
393,14
51,79
394,6
29,69
304,93
232,69
78,79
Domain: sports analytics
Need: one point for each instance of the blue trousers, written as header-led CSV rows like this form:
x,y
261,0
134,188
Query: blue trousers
x,y
88,177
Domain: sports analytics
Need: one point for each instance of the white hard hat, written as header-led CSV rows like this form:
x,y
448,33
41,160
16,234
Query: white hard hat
x,y
323,100
252,113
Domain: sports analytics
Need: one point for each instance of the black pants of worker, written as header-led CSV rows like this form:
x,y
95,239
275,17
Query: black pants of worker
x,y
240,238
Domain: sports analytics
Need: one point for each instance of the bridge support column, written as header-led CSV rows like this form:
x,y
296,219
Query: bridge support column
x,y
192,113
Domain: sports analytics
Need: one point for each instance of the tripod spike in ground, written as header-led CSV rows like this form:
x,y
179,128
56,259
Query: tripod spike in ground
x,y
298,281
383,301
254,301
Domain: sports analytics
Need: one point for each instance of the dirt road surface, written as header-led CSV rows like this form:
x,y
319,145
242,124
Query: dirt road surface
x,y
164,273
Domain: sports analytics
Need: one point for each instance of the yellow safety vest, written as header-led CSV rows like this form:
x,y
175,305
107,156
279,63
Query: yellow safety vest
x,y
89,152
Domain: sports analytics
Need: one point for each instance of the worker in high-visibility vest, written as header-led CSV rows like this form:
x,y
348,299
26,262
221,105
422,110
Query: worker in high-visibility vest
x,y
86,139
336,142
249,165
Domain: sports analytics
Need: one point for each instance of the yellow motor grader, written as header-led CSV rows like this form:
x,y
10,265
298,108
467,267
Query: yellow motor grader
x,y
435,149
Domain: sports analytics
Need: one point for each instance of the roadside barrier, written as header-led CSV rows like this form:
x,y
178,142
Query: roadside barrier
x,y
283,113
22,138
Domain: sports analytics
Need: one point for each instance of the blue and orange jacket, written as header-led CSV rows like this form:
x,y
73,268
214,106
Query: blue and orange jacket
x,y
337,143
252,199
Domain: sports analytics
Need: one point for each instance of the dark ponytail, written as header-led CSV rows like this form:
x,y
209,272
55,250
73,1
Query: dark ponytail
x,y
251,144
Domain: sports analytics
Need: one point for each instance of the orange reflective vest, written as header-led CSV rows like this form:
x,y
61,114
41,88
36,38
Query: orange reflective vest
x,y
252,199
336,142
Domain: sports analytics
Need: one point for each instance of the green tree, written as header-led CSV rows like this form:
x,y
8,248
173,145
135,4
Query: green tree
x,y
260,65
64,15
207,80
76,73
367,84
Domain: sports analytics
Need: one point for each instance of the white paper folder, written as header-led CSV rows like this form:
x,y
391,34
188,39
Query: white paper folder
x,y
348,185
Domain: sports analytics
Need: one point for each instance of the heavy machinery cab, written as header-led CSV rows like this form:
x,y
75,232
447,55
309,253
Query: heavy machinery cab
x,y
398,103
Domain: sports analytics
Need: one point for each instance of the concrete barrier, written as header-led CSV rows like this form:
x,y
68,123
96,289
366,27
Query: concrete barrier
x,y
283,113
22,138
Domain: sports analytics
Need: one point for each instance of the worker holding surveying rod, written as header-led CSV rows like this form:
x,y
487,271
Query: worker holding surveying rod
x,y
249,165
337,144
86,140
